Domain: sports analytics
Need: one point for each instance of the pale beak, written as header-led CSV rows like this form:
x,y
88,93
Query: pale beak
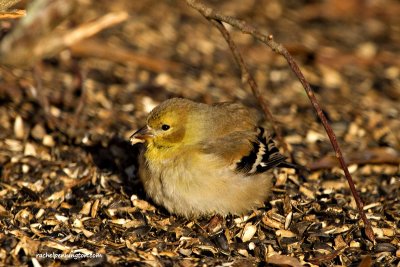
x,y
141,135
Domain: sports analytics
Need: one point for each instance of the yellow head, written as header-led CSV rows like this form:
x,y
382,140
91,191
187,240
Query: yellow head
x,y
167,124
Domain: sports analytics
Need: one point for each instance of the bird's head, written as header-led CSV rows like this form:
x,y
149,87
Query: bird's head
x,y
166,124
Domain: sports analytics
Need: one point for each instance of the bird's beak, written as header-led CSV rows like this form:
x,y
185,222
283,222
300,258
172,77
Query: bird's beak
x,y
141,135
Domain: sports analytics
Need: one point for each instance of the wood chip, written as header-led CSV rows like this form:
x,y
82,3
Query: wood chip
x,y
248,232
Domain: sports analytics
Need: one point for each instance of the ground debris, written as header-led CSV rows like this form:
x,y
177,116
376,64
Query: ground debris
x,y
69,191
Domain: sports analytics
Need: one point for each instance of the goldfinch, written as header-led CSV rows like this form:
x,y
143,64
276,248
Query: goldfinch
x,y
200,160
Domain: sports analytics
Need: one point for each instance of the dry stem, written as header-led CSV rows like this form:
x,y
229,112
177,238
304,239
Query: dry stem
x,y
247,77
16,14
210,14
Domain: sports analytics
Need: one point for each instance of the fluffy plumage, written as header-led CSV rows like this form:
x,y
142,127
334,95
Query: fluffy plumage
x,y
203,159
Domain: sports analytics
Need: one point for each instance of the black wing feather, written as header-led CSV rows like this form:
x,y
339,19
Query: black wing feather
x,y
264,156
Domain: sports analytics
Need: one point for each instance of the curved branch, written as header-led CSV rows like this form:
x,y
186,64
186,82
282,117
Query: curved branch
x,y
246,28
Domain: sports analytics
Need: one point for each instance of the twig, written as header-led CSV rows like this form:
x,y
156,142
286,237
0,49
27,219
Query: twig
x,y
37,35
15,14
97,48
327,258
247,77
18,47
53,45
332,137
376,155
210,14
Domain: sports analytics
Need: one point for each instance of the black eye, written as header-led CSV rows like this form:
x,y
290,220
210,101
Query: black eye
x,y
165,127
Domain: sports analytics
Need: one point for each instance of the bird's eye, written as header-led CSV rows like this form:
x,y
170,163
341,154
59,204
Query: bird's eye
x,y
165,127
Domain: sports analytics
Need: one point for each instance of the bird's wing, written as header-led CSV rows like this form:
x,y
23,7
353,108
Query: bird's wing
x,y
235,117
247,151
263,156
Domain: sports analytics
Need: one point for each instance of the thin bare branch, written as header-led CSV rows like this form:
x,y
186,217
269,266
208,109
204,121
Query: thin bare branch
x,y
42,18
36,36
15,14
210,14
247,77
54,45
97,48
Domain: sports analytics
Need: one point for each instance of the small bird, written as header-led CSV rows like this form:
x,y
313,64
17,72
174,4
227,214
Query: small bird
x,y
201,160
